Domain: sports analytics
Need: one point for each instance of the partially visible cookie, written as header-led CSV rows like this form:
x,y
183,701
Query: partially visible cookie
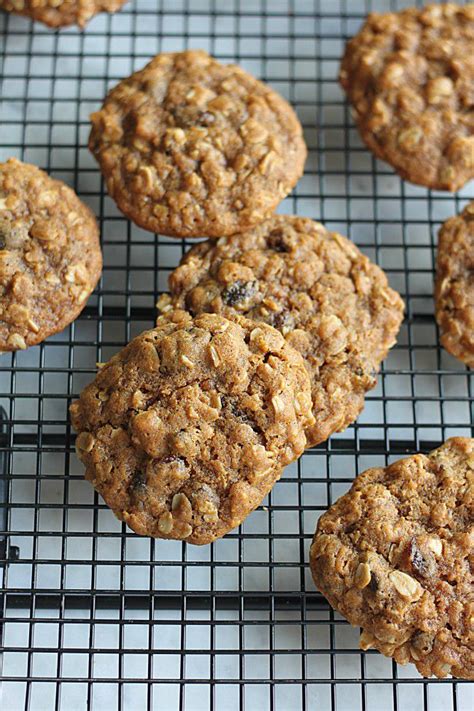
x,y
454,290
61,13
329,301
410,79
395,556
190,147
186,430
50,257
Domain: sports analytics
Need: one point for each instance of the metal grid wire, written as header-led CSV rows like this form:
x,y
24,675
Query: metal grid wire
x,y
95,617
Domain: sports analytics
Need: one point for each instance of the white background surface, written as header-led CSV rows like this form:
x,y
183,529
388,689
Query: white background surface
x,y
51,82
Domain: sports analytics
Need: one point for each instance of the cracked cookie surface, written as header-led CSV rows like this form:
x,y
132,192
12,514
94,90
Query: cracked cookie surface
x,y
454,290
186,430
395,554
191,147
409,77
61,13
329,300
50,256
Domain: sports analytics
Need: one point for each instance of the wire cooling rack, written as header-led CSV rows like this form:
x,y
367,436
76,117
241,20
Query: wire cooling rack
x,y
95,617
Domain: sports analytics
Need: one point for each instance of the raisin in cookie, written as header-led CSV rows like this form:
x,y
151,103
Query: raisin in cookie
x,y
395,556
454,292
186,430
61,13
50,258
190,147
409,77
329,301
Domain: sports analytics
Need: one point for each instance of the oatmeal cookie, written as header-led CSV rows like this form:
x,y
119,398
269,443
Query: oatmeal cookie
x,y
50,258
410,79
454,290
186,430
190,147
395,556
329,301
61,13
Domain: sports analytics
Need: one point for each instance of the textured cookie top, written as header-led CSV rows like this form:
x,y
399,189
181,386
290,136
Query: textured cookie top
x,y
60,13
395,556
329,301
187,428
454,292
50,258
410,79
190,147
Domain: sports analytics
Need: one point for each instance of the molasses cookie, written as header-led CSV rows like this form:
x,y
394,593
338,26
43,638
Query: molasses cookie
x,y
186,430
190,147
409,77
328,300
60,13
395,556
454,291
50,258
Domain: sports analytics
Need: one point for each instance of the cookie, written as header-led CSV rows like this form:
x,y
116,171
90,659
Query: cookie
x,y
186,430
190,147
395,555
329,301
61,13
454,289
409,77
50,257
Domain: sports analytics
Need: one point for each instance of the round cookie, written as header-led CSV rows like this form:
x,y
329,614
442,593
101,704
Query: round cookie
x,y
329,301
454,290
395,555
190,147
186,430
61,13
50,257
409,77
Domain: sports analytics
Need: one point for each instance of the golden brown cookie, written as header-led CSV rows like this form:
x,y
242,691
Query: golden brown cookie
x,y
395,556
329,301
50,258
61,13
186,430
190,147
410,79
454,290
